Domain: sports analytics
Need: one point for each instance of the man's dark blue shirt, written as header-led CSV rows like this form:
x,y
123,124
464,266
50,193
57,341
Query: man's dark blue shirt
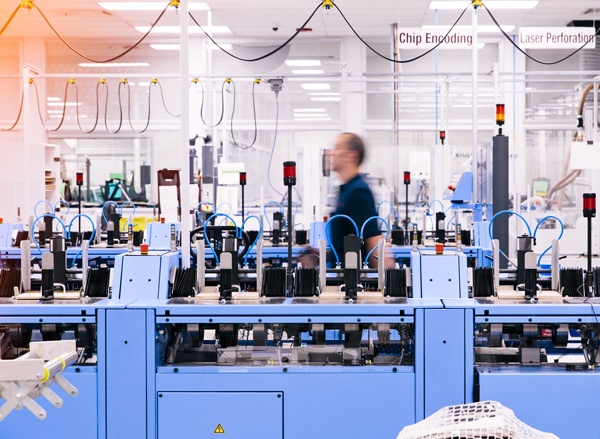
x,y
355,200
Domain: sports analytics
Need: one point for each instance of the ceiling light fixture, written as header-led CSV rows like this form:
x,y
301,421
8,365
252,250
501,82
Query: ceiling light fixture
x,y
313,119
490,4
326,99
308,72
315,86
176,29
113,64
148,6
61,104
303,63
332,93
165,46
309,110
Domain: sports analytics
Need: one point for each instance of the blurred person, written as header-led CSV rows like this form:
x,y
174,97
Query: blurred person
x,y
355,200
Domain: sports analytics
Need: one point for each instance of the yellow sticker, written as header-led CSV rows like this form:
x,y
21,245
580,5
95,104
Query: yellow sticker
x,y
219,430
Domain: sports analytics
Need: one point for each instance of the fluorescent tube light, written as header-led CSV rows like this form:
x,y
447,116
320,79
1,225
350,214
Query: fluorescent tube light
x,y
303,63
176,30
315,86
308,72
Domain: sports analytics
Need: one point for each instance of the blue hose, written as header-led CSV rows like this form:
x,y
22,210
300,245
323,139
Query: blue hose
x,y
267,204
228,204
509,212
104,205
562,229
35,222
130,216
40,202
387,231
91,237
285,203
215,215
260,231
431,204
58,203
61,202
337,258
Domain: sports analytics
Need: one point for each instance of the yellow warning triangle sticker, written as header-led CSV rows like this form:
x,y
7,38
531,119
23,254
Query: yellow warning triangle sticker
x,y
219,430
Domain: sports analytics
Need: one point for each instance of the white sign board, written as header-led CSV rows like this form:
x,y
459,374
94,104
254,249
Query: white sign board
x,y
556,37
417,38
229,173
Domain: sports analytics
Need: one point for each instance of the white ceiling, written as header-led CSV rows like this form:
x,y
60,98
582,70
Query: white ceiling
x,y
84,19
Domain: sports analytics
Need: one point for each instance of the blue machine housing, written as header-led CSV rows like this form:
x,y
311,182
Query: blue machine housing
x,y
85,414
138,276
276,397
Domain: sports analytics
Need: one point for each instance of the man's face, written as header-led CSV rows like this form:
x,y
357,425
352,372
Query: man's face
x,y
340,155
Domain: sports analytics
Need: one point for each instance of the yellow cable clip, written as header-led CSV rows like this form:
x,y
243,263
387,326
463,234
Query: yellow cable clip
x,y
175,3
123,81
195,81
46,375
28,4
477,4
154,81
328,4
71,80
257,81
101,81
31,80
228,80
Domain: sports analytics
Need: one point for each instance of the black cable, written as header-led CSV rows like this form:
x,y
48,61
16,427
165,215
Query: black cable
x,y
18,115
97,108
39,108
162,96
129,108
222,104
120,108
397,61
10,19
272,52
546,63
114,58
253,109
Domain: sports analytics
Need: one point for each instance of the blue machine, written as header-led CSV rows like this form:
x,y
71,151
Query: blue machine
x,y
138,275
528,356
160,236
279,359
85,321
439,276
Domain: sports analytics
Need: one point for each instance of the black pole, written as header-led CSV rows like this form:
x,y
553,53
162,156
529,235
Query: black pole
x,y
589,212
289,179
242,184
243,204
290,273
406,184
79,178
406,227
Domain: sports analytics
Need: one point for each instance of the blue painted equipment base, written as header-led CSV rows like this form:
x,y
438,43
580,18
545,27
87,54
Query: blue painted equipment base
x,y
77,417
546,398
318,401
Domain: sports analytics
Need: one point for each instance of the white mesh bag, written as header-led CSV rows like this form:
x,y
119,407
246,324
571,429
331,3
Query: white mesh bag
x,y
480,420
